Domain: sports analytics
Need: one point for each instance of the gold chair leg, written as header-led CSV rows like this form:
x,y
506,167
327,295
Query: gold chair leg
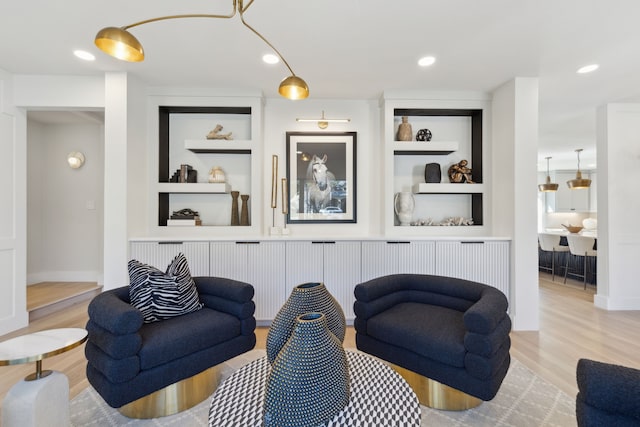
x,y
436,395
176,397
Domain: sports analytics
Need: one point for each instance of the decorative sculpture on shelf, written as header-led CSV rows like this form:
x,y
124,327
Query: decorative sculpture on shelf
x,y
424,135
235,214
404,130
432,173
216,175
244,211
460,173
215,134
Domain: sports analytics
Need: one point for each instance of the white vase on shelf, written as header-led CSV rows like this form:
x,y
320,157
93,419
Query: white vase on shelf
x,y
403,204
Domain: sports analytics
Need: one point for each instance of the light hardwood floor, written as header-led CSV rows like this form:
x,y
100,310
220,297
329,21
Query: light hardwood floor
x,y
570,328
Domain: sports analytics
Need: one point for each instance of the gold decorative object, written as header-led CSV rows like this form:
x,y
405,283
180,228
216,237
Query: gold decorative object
x,y
405,133
459,173
573,228
121,44
548,185
215,134
235,216
244,212
274,181
323,122
285,197
578,183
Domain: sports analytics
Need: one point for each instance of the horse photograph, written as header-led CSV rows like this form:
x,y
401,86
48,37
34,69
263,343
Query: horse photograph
x,y
321,175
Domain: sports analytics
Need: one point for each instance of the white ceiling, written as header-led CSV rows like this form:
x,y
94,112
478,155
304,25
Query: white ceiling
x,y
355,49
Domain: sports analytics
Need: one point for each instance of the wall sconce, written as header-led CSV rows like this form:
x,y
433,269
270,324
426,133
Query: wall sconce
x,y
75,159
323,122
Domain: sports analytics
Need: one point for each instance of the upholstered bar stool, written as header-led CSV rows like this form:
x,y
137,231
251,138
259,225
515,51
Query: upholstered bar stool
x,y
581,246
551,243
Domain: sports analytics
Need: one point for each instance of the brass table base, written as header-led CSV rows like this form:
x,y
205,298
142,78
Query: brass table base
x,y
436,395
176,397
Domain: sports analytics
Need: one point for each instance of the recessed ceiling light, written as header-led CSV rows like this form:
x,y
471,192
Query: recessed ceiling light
x,y
426,61
587,68
83,54
270,58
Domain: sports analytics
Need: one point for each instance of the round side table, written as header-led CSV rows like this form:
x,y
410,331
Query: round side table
x,y
42,398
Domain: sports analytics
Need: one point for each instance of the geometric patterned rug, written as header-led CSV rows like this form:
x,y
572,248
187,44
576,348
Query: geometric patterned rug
x,y
524,400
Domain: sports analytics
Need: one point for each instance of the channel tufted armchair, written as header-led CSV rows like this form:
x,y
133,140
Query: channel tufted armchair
x,y
134,365
448,337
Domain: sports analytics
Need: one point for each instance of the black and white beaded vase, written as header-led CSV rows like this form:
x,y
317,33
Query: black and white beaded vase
x,y
309,381
304,298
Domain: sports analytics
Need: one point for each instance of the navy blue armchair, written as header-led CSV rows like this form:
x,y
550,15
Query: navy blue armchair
x,y
452,331
128,359
608,395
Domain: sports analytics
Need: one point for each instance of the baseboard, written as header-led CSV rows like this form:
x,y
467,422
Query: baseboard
x,y
613,304
65,276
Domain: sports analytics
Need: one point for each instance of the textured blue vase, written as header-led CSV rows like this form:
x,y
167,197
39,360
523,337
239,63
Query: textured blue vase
x,y
304,298
309,381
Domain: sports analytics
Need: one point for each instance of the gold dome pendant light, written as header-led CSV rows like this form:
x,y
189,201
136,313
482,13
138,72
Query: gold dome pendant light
x,y
578,183
548,185
120,43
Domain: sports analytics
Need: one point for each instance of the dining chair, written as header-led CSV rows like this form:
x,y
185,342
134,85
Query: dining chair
x,y
551,243
580,246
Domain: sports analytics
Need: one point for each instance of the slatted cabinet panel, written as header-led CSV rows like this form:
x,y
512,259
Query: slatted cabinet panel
x,y
259,263
480,261
160,254
380,258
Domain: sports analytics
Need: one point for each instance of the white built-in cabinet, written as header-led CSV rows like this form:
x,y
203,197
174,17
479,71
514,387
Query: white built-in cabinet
x,y
260,263
178,129
275,267
568,200
481,261
458,130
160,254
335,263
380,258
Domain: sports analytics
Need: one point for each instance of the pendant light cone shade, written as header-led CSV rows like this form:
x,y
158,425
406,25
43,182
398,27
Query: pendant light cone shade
x,y
548,185
120,44
293,87
578,183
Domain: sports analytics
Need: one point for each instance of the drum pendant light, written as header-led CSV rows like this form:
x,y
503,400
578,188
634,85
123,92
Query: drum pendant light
x,y
578,183
548,185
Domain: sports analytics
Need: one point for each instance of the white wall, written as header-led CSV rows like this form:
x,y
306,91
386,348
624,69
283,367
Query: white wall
x,y
514,148
618,127
280,117
64,205
13,210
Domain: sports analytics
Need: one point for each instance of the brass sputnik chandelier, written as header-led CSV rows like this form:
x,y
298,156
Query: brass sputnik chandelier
x,y
120,43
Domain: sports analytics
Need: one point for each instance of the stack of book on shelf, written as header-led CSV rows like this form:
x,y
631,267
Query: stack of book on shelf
x,y
184,217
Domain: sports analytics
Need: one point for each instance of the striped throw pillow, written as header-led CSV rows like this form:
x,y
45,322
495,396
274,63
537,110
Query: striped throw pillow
x,y
162,295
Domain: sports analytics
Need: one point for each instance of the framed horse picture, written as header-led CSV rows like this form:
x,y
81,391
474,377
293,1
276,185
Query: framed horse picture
x,y
321,175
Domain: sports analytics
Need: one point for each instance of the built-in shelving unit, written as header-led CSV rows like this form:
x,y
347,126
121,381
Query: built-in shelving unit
x,y
183,125
457,134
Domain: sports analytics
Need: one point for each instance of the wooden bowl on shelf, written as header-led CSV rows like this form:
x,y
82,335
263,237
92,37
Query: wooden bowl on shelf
x,y
573,228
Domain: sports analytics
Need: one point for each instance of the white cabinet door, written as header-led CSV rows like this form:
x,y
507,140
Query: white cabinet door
x,y
160,254
479,261
336,264
261,264
567,200
394,257
342,261
266,272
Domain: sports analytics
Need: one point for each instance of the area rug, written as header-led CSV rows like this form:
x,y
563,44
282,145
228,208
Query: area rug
x,y
524,400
